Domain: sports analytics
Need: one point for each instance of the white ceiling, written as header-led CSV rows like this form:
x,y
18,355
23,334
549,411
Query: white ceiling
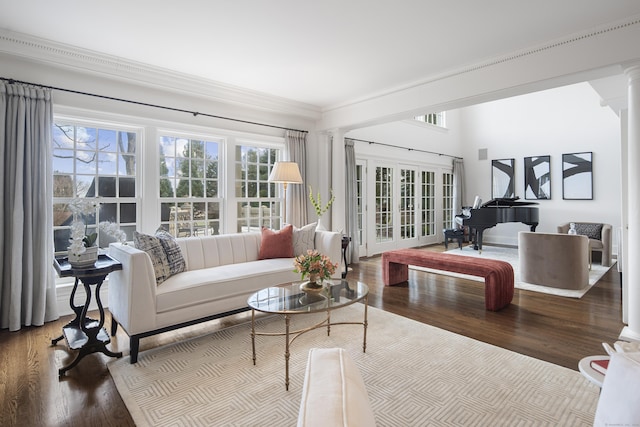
x,y
322,52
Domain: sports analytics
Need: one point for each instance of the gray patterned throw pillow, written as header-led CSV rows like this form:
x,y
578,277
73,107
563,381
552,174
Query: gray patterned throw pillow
x,y
592,231
152,246
171,248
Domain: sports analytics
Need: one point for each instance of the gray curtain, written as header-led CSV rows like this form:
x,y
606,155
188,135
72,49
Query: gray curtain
x,y
351,209
458,189
296,143
27,293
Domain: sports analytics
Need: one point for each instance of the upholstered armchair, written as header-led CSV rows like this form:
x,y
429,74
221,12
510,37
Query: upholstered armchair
x,y
554,260
599,235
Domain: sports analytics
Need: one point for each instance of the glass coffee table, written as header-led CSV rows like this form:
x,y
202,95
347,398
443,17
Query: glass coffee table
x,y
288,299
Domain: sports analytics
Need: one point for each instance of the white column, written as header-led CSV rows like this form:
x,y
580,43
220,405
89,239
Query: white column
x,y
632,257
623,236
338,211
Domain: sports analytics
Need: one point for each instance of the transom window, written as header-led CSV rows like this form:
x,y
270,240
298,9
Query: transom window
x,y
97,163
436,119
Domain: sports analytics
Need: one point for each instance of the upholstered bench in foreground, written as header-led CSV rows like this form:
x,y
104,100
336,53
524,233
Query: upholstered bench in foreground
x,y
333,393
498,275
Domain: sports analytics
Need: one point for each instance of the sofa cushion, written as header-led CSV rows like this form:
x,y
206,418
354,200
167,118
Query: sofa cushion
x,y
152,246
333,393
276,244
592,231
198,287
304,238
172,251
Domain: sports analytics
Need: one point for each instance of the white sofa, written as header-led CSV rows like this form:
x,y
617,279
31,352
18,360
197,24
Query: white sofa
x,y
222,271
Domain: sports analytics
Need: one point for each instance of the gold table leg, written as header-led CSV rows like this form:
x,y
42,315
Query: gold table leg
x,y
365,324
253,335
287,319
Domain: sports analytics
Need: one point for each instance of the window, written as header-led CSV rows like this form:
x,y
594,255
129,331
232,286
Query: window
x,y
97,162
189,185
257,200
436,119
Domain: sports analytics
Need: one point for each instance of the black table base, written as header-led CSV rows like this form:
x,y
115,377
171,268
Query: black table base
x,y
83,333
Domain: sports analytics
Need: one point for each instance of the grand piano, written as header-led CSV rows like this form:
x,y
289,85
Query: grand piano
x,y
498,211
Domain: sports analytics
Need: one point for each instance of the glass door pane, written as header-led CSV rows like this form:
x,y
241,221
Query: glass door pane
x,y
428,211
384,204
407,203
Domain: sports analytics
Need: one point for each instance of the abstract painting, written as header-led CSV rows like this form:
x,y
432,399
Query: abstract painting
x,y
577,176
502,181
537,177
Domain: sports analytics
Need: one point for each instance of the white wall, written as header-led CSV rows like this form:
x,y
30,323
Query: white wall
x,y
563,120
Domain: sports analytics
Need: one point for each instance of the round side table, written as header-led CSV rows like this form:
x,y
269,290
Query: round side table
x,y
589,373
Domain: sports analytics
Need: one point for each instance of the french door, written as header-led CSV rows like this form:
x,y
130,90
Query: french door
x,y
406,208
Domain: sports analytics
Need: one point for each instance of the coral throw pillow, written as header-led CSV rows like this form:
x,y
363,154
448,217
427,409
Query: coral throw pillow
x,y
276,244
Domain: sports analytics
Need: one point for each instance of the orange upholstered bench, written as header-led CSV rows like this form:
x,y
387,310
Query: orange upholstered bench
x,y
498,275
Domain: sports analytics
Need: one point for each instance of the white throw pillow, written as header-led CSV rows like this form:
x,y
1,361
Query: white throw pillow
x,y
304,238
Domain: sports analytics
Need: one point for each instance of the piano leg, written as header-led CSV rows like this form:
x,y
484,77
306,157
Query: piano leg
x,y
478,245
473,233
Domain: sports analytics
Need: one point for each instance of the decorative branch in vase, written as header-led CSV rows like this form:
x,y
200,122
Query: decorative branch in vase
x,y
319,207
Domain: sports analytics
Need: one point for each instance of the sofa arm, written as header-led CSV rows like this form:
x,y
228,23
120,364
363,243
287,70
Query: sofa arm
x,y
330,243
132,290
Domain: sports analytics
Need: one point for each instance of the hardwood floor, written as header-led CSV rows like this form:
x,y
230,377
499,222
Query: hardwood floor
x,y
556,329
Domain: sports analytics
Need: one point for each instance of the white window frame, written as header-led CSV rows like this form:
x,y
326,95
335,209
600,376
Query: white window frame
x,y
192,223
111,126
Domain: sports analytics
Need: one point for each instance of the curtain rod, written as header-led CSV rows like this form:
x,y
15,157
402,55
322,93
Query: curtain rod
x,y
145,104
405,148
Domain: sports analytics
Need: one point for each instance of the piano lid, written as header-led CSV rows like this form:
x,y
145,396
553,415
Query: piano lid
x,y
506,202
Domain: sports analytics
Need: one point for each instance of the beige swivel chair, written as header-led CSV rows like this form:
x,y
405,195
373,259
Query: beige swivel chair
x,y
599,237
554,260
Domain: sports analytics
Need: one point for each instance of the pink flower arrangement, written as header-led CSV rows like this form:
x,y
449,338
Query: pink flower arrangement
x,y
313,263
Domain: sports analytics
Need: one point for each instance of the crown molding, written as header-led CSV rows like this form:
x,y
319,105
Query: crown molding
x,y
107,66
592,33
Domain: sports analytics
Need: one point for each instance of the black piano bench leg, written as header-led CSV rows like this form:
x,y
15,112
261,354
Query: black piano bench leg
x,y
452,234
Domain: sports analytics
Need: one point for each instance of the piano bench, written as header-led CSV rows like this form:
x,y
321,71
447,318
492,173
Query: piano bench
x,y
498,275
453,234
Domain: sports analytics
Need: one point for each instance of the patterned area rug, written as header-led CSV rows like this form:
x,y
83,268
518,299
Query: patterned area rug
x,y
415,374
510,255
